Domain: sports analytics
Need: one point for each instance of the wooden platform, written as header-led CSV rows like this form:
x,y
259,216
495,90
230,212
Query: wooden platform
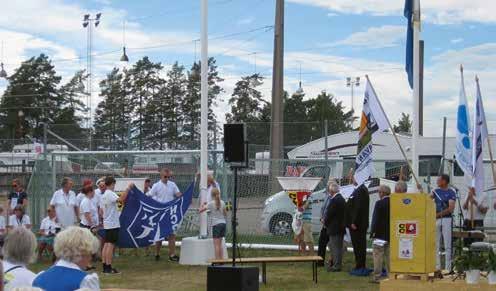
x,y
446,284
411,276
268,260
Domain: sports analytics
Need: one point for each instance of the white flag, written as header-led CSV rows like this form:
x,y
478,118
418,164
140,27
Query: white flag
x,y
463,152
373,120
479,137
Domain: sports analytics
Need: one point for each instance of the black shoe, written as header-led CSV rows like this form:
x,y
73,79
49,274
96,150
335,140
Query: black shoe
x,y
157,258
114,271
174,258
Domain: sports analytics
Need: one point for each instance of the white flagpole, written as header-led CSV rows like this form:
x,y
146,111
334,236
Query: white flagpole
x,y
395,136
204,115
416,85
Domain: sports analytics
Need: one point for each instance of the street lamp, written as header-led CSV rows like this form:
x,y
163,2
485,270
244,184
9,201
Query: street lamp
x,y
352,83
3,73
124,57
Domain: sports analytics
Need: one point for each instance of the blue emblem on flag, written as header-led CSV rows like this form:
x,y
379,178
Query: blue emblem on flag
x,y
144,220
407,201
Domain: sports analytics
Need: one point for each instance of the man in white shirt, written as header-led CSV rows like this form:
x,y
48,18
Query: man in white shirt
x,y
475,207
65,204
111,223
164,191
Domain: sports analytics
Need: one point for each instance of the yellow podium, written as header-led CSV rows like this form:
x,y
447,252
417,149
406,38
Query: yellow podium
x,y
412,234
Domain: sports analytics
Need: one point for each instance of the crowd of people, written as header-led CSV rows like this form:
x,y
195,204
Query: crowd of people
x,y
347,221
71,232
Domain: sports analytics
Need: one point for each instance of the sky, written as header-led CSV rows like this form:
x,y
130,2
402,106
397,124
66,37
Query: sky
x,y
325,40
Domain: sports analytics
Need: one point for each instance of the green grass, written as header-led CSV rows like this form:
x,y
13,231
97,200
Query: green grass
x,y
143,273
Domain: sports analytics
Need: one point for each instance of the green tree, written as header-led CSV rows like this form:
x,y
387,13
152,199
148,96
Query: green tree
x,y
404,124
30,99
246,101
326,107
70,117
145,81
191,102
113,114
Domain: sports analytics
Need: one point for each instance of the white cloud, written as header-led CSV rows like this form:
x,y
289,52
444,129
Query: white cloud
x,y
442,12
457,40
332,14
375,37
246,21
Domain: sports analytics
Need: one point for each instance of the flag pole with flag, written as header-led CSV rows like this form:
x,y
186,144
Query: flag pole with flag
x,y
480,134
373,120
412,67
463,152
478,138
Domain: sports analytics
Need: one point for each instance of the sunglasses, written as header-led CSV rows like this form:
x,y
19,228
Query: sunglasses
x,y
14,186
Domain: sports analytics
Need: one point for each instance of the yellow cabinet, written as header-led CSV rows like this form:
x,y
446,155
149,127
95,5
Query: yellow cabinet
x,y
412,233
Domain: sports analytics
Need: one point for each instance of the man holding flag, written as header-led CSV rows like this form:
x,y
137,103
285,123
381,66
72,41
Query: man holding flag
x,y
357,207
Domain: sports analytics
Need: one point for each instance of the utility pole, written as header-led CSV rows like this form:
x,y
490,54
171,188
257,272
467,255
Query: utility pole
x,y
276,125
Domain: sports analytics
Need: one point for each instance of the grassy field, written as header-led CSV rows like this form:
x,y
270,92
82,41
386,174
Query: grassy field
x,y
144,273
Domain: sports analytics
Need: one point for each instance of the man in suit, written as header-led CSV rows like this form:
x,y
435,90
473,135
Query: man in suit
x,y
357,220
324,237
380,233
335,227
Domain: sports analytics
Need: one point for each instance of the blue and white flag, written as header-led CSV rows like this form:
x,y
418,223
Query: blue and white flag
x,y
373,120
144,220
479,137
463,152
408,13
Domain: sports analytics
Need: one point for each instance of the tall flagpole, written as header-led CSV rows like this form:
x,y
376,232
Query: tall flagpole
x,y
204,115
416,85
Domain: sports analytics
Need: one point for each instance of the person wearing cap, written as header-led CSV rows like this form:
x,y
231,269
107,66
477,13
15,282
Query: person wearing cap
x,y
19,219
64,202
48,229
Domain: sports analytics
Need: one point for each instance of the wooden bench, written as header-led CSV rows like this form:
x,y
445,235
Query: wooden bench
x,y
265,260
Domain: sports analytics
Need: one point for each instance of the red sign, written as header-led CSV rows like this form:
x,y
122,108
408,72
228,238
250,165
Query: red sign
x,y
298,196
406,228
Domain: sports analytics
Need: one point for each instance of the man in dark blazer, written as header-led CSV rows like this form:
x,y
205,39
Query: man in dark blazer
x,y
379,230
335,227
357,220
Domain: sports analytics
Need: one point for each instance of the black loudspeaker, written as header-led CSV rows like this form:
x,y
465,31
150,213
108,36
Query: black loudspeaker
x,y
234,143
228,278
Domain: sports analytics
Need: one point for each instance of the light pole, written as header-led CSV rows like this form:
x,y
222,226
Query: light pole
x,y
88,23
352,83
3,73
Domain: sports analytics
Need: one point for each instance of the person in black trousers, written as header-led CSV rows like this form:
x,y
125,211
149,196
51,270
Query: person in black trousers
x,y
323,237
335,226
357,221
379,231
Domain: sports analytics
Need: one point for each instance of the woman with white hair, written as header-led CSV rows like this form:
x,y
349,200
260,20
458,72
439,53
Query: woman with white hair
x,y
74,248
18,252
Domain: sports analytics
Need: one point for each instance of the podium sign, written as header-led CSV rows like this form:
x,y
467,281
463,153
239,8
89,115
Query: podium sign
x,y
412,233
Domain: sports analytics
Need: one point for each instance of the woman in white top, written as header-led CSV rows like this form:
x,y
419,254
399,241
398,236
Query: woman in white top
x,y
217,213
18,252
19,218
88,211
65,204
48,229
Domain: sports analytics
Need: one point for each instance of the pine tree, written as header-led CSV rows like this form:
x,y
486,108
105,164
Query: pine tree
x,y
145,82
113,114
192,102
404,124
70,116
173,92
246,101
30,99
